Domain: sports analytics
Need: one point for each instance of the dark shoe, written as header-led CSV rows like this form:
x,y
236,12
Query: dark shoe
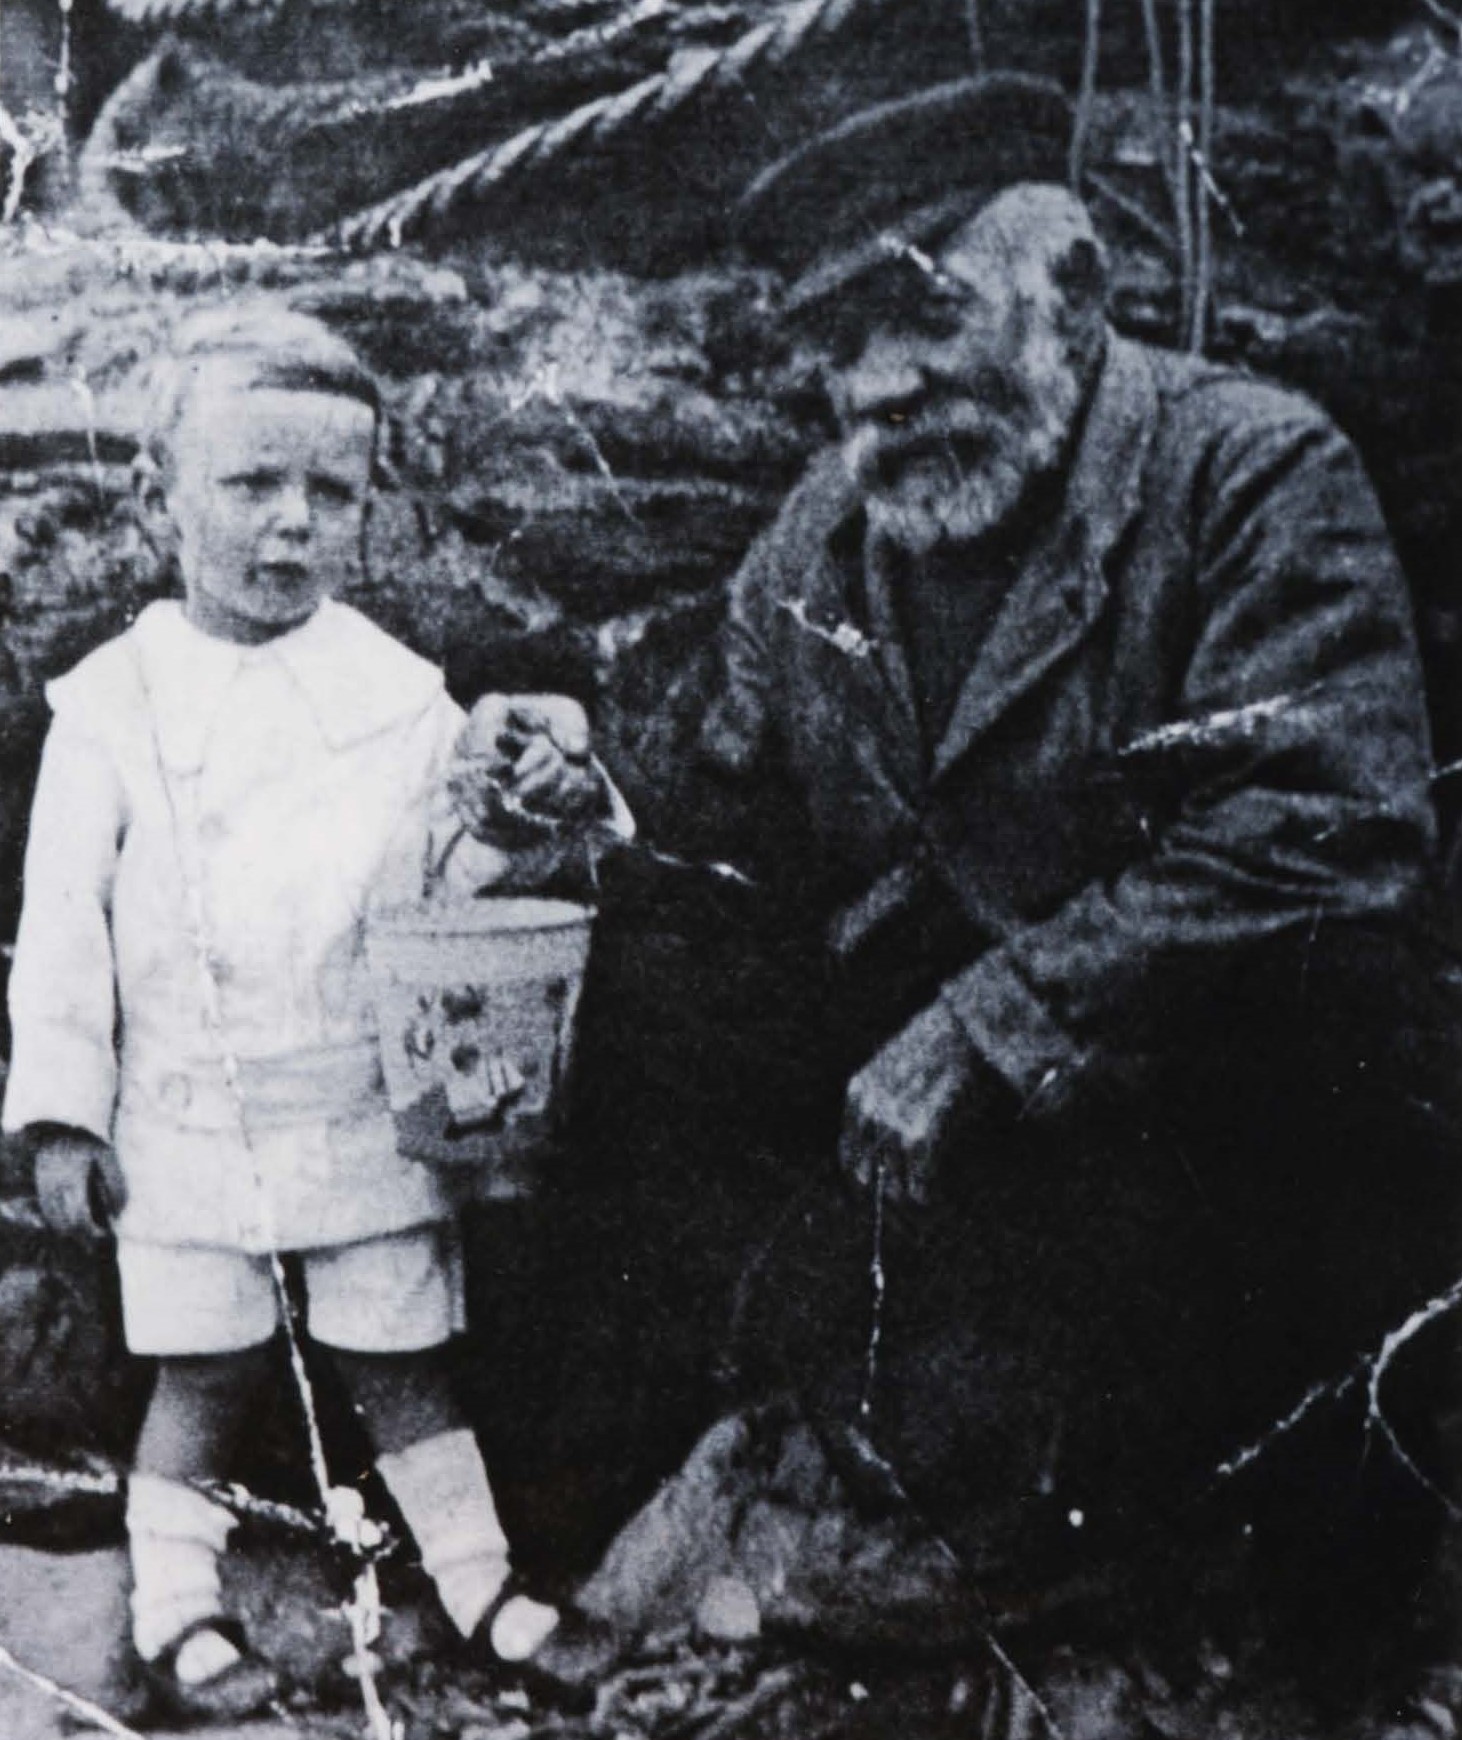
x,y
242,1689
567,1667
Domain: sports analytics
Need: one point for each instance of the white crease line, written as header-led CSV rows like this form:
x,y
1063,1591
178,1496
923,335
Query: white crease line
x,y
73,1701
1251,1453
845,637
1372,1368
1375,1414
1231,721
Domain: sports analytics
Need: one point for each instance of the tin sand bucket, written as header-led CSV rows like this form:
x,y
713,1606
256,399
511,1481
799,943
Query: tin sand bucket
x,y
476,1002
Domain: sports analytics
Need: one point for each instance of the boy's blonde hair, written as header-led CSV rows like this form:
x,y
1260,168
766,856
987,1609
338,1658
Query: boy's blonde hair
x,y
280,347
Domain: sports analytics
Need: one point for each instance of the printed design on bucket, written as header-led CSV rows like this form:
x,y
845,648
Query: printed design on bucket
x,y
476,1004
455,1040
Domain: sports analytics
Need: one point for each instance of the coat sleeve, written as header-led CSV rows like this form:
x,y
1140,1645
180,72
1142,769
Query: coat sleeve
x,y
1299,743
735,798
63,983
734,735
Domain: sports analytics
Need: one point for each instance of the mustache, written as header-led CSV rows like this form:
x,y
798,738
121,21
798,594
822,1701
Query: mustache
x,y
963,449
963,423
964,438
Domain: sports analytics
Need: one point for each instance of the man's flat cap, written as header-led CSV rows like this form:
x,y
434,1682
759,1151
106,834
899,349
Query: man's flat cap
x,y
903,173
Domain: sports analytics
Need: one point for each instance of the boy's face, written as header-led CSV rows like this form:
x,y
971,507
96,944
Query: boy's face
x,y
267,495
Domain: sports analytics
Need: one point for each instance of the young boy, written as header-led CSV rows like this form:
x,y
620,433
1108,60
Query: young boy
x,y
224,788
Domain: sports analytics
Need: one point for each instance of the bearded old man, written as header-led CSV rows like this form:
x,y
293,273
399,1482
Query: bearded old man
x,y
1079,679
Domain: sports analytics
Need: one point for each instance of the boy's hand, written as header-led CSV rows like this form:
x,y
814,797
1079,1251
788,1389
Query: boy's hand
x,y
79,1185
529,753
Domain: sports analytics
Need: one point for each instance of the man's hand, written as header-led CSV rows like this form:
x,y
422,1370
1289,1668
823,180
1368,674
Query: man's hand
x,y
529,754
901,1104
79,1185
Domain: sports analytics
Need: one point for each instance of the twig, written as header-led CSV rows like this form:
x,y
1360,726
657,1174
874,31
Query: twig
x,y
1090,61
1220,199
976,31
1207,87
1133,209
1157,85
1182,153
768,1690
1448,19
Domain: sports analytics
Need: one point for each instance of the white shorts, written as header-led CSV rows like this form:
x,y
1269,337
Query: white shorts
x,y
399,1293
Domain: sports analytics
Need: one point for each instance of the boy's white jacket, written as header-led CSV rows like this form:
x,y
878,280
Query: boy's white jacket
x,y
260,798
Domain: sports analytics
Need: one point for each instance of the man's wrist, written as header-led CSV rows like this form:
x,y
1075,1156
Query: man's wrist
x,y
989,1093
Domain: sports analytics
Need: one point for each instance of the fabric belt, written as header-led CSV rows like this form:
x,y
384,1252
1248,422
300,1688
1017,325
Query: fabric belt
x,y
299,1087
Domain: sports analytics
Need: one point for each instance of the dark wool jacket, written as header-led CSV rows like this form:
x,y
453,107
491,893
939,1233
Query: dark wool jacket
x,y
1196,729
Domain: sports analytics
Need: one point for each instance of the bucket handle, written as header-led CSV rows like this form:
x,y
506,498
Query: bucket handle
x,y
435,866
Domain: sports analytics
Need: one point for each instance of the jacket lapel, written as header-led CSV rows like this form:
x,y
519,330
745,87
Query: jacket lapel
x,y
1062,590
875,682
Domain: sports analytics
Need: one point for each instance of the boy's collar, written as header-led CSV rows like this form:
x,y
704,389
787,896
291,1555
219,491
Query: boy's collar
x,y
356,679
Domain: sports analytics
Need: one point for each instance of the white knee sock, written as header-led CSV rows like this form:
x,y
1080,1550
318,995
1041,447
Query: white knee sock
x,y
175,1537
441,1488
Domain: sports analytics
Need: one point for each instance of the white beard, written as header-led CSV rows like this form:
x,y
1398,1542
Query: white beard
x,y
934,500
941,494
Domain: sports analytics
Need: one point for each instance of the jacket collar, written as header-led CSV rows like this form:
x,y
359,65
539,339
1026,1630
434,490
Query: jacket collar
x,y
1061,590
355,679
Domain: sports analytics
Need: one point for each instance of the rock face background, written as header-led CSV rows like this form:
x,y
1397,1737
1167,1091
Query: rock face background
x,y
592,414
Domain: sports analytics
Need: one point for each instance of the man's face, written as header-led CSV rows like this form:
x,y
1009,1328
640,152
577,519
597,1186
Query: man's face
x,y
961,395
267,494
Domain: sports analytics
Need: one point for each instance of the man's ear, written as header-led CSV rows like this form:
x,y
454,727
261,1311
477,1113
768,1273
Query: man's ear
x,y
1080,273
1080,277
